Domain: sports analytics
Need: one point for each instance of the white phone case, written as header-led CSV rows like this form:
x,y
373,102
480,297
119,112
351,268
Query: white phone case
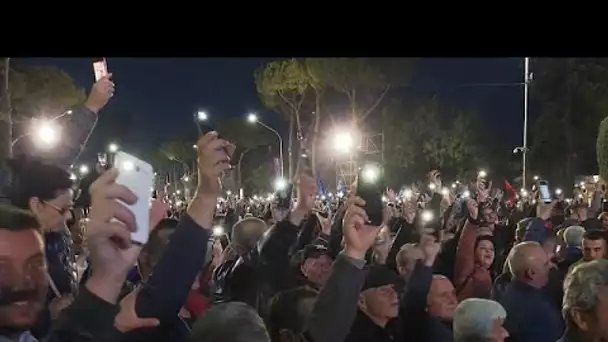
x,y
138,176
101,69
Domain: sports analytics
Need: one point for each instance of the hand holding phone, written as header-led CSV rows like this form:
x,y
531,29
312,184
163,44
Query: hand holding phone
x,y
369,188
137,176
544,192
100,67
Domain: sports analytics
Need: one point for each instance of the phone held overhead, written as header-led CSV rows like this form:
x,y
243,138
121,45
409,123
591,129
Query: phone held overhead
x,y
138,176
370,187
100,67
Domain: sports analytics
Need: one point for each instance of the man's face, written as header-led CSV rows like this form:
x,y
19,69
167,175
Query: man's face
x,y
23,283
441,299
380,302
317,270
52,214
605,222
539,265
594,249
489,216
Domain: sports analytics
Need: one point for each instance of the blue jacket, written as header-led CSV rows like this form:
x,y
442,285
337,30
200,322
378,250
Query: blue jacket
x,y
531,316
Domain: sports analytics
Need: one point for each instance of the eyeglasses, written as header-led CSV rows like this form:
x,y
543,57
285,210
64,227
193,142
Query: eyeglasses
x,y
60,211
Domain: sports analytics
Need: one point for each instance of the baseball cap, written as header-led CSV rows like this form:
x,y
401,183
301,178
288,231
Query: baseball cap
x,y
309,251
380,275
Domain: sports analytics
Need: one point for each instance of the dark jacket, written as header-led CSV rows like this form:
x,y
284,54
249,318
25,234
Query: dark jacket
x,y
365,330
531,316
336,306
165,292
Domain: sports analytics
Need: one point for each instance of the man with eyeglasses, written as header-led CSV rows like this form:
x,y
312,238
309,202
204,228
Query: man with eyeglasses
x,y
46,191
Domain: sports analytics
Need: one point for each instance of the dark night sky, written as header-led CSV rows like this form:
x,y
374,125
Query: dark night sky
x,y
163,93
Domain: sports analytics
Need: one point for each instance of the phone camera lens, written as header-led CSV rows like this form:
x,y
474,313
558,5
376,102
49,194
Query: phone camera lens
x,y
137,169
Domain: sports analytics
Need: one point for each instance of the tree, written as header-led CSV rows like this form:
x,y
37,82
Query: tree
x,y
417,140
246,137
282,87
39,92
364,81
572,95
602,149
180,151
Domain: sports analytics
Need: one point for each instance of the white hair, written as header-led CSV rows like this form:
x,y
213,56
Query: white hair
x,y
573,235
474,319
582,286
518,259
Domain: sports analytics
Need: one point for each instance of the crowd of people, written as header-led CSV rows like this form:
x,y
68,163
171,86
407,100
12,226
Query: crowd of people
x,y
438,268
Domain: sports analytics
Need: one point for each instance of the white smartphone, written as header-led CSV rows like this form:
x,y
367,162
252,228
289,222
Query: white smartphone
x,y
137,176
545,193
100,68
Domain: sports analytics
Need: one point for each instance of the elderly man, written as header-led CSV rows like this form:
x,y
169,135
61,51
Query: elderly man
x,y
477,319
586,303
530,315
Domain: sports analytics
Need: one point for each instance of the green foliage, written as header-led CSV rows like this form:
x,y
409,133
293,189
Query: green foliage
x,y
573,98
416,140
282,85
43,91
602,149
180,150
258,178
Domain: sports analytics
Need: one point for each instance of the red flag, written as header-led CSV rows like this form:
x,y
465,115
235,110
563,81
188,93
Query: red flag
x,y
511,194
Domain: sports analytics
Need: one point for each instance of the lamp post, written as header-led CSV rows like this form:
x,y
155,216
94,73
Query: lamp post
x,y
252,118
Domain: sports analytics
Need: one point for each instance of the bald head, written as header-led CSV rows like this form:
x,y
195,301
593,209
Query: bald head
x,y
528,263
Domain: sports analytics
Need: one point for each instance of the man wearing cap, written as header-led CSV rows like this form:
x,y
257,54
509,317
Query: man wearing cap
x,y
313,264
378,304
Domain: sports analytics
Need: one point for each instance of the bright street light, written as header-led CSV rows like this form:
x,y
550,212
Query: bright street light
x,y
343,142
482,174
83,169
251,117
46,133
201,116
113,148
280,184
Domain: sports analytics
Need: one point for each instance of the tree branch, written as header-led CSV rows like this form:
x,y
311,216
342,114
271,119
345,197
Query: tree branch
x,y
378,100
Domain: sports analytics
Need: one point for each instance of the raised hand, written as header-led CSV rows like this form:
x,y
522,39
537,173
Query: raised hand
x,y
473,208
358,235
213,159
325,223
100,94
430,248
435,179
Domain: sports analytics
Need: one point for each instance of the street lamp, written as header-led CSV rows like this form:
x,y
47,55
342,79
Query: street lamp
x,y
83,169
46,133
113,148
253,118
201,116
343,142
